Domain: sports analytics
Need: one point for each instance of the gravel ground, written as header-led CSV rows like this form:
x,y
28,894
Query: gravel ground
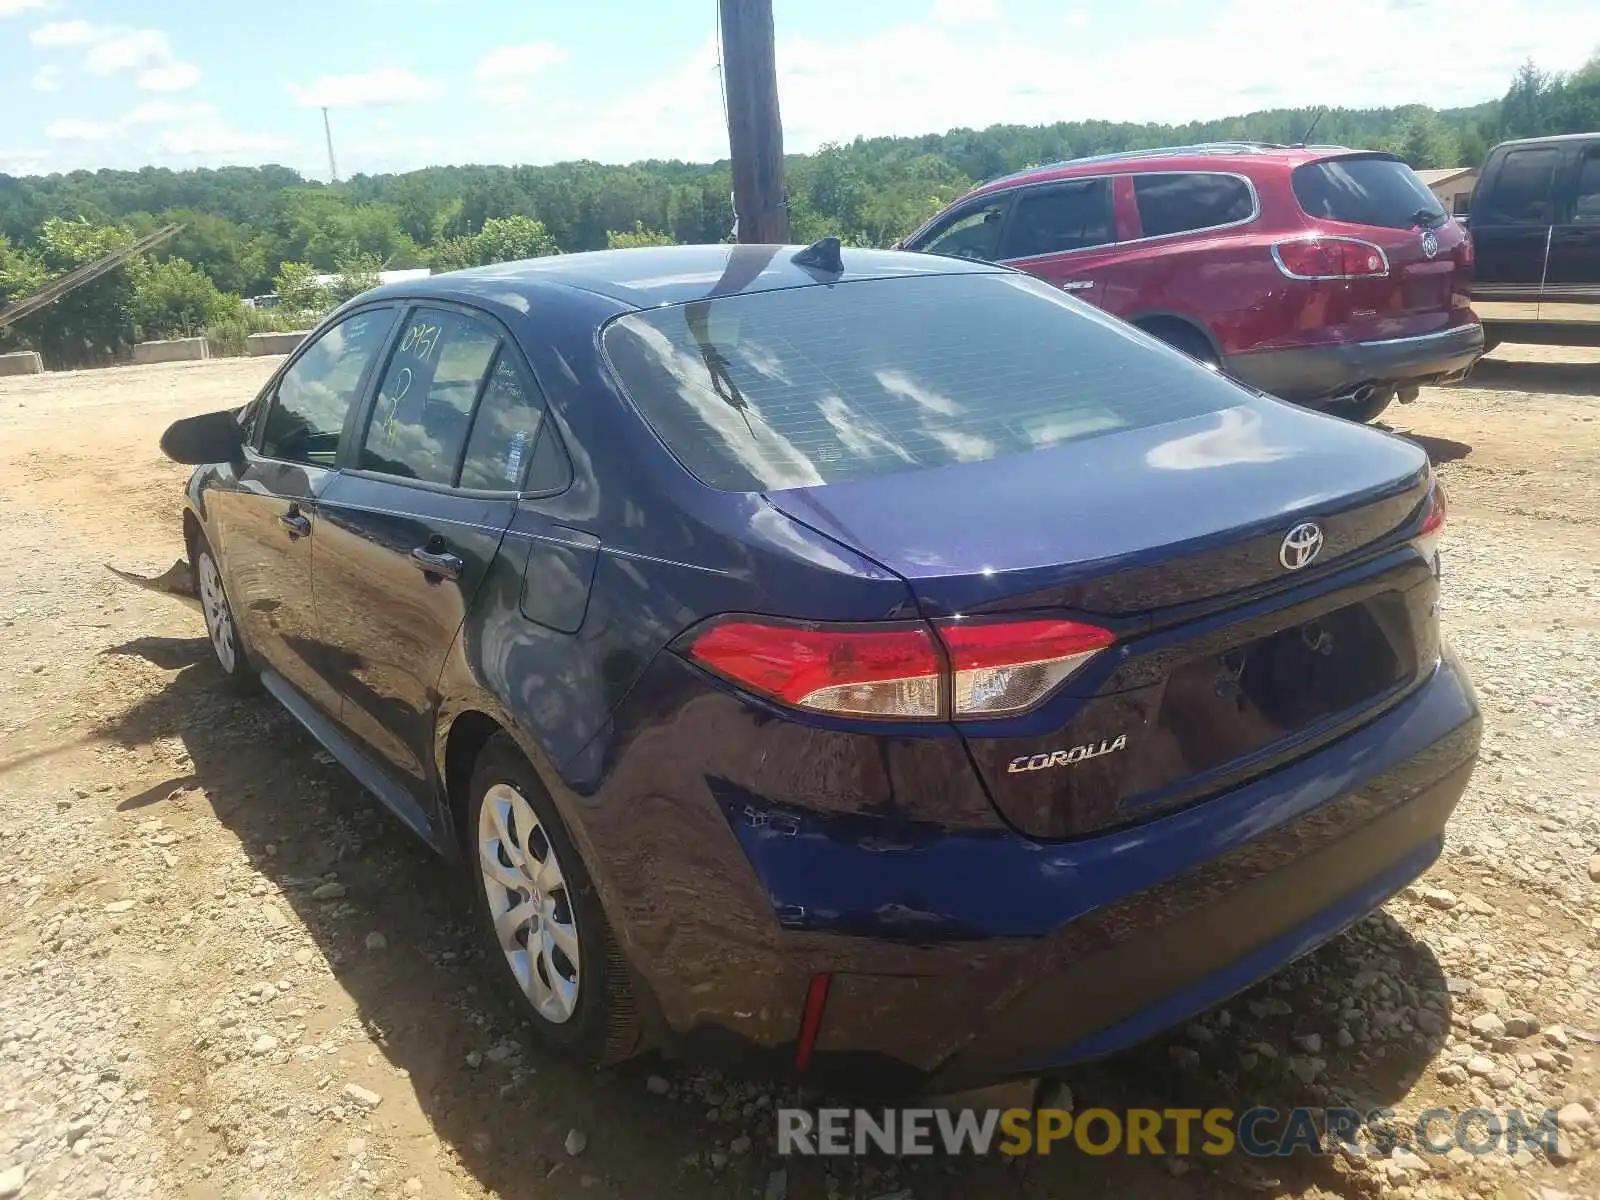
x,y
224,972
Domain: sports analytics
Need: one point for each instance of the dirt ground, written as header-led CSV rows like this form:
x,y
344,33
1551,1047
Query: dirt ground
x,y
224,971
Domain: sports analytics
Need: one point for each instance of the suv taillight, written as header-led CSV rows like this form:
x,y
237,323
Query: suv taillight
x,y
1319,257
904,670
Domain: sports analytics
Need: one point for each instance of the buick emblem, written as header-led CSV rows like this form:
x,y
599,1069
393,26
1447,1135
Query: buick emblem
x,y
1430,244
1301,545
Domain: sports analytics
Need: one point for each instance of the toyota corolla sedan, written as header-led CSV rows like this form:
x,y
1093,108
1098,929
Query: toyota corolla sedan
x,y
847,663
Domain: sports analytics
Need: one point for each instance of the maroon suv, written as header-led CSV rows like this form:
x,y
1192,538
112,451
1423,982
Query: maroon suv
x,y
1326,276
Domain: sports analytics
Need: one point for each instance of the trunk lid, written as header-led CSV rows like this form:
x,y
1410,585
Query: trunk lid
x,y
1227,663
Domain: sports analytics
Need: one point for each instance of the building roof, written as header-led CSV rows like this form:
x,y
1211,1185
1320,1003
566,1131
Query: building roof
x,y
1433,178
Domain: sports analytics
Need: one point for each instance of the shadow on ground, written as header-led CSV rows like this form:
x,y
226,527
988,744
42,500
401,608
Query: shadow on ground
x,y
1513,375
427,997
1439,450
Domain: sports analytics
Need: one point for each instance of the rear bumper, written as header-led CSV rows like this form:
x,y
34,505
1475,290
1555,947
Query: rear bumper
x,y
1310,373
958,958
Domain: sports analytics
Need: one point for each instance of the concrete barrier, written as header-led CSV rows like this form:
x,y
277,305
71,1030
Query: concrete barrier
x,y
259,344
23,362
176,350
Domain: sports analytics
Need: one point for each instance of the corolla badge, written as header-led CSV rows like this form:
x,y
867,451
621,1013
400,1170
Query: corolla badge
x,y
1300,546
1430,244
1066,758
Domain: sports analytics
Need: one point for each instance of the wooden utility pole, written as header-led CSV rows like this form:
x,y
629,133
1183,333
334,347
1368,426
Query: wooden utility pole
x,y
755,131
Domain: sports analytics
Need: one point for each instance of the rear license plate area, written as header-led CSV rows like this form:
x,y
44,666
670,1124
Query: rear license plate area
x,y
1225,706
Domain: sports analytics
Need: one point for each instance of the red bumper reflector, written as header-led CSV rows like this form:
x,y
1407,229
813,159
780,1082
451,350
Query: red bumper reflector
x,y
811,1019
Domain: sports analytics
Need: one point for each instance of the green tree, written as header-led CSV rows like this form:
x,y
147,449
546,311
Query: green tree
x,y
174,298
509,239
299,291
637,236
356,274
90,323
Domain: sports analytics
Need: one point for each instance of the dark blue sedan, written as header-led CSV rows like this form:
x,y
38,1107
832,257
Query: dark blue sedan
x,y
871,663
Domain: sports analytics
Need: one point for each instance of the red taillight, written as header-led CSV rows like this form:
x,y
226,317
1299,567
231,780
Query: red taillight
x,y
1427,540
1007,666
875,671
811,1019
897,670
1320,257
1438,509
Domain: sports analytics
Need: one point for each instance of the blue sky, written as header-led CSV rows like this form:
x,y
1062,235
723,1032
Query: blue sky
x,y
124,83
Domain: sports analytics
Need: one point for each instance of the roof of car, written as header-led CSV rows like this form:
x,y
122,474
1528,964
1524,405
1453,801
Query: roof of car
x,y
1550,139
649,276
1204,156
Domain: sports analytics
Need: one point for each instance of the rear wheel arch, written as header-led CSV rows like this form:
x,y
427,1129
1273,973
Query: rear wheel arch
x,y
1182,332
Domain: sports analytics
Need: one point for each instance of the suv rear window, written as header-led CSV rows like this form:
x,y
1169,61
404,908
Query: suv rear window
x,y
1366,191
818,385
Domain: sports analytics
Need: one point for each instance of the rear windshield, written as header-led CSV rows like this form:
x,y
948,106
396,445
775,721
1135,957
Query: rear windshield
x,y
817,385
1366,191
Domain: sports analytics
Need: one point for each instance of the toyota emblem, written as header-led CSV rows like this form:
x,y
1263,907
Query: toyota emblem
x,y
1430,244
1301,545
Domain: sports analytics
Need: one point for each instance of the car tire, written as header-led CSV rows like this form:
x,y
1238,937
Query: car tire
x,y
557,959
1188,339
222,631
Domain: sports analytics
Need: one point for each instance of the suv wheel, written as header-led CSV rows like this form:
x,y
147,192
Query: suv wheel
x,y
226,643
1186,338
547,937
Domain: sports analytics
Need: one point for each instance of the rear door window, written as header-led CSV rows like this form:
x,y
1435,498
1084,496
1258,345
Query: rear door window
x,y
418,426
510,441
1521,191
1191,200
308,408
973,234
819,385
1366,191
1060,217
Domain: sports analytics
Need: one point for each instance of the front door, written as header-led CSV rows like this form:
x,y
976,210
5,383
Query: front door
x,y
408,531
266,523
1572,280
1511,226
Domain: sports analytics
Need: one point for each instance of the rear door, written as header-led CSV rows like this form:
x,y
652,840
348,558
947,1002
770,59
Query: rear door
x,y
1062,232
409,528
1513,214
1572,279
1378,200
268,522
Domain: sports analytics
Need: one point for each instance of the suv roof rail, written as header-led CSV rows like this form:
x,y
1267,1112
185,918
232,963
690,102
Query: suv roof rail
x,y
1236,147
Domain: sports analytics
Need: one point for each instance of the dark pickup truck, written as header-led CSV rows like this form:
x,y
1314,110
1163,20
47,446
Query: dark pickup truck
x,y
1535,221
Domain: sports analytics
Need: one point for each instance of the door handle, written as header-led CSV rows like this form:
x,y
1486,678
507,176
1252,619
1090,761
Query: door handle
x,y
439,563
297,524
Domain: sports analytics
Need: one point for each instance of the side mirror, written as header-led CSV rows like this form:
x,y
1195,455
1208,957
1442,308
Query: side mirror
x,y
209,438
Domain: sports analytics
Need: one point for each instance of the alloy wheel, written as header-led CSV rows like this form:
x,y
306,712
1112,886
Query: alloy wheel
x,y
219,619
534,920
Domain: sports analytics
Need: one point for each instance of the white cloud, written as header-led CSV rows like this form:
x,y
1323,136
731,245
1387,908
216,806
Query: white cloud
x,y
965,12
161,112
1077,18
146,53
10,8
214,141
503,75
386,85
72,130
64,33
47,79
